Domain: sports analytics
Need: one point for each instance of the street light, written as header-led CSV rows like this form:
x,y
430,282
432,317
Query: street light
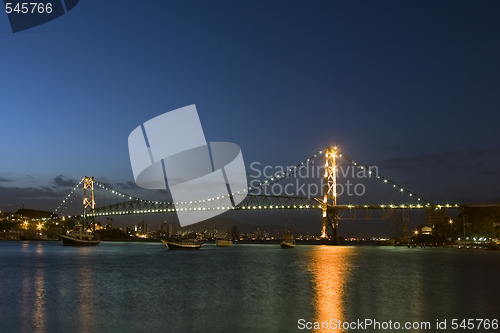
x,y
450,221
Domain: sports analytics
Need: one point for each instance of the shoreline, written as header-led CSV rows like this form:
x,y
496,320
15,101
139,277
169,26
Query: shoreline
x,y
472,246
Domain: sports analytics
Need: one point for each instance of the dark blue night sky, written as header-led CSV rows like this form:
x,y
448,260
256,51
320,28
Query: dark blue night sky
x,y
409,86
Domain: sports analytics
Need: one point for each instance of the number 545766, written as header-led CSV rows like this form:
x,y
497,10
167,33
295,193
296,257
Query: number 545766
x,y
28,7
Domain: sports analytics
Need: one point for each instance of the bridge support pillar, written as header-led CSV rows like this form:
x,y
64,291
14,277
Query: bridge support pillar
x,y
88,222
330,216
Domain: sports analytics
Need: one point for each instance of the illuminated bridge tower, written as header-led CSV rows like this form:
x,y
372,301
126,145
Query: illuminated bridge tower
x,y
88,222
330,216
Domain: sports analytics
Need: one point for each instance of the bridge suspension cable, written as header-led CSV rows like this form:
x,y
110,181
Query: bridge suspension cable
x,y
288,173
385,179
136,205
67,200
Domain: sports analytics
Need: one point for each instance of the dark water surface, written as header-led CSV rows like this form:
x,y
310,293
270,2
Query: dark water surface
x,y
144,287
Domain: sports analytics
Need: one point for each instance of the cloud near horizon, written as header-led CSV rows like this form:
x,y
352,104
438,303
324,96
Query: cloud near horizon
x,y
61,181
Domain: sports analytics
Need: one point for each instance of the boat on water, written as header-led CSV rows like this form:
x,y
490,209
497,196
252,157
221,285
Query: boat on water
x,y
223,242
190,244
288,242
79,239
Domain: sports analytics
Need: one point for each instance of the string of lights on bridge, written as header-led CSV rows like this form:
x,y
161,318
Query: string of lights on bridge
x,y
270,207
148,211
66,201
270,181
122,194
385,180
396,186
288,173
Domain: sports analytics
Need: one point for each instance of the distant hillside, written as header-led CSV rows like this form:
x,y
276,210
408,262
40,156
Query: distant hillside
x,y
34,214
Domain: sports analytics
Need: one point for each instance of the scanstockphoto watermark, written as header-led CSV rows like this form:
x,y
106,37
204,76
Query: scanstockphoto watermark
x,y
309,180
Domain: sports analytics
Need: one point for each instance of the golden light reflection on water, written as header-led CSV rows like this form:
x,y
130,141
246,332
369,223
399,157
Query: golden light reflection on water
x,y
33,302
86,287
416,287
39,309
330,267
25,302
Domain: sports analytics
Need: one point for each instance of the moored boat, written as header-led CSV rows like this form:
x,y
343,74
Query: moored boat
x,y
288,242
223,242
183,244
78,239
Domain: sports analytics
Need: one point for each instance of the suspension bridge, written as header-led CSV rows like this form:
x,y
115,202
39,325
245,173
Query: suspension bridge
x,y
331,210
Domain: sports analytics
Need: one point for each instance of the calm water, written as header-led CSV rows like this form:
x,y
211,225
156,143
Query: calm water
x,y
131,287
